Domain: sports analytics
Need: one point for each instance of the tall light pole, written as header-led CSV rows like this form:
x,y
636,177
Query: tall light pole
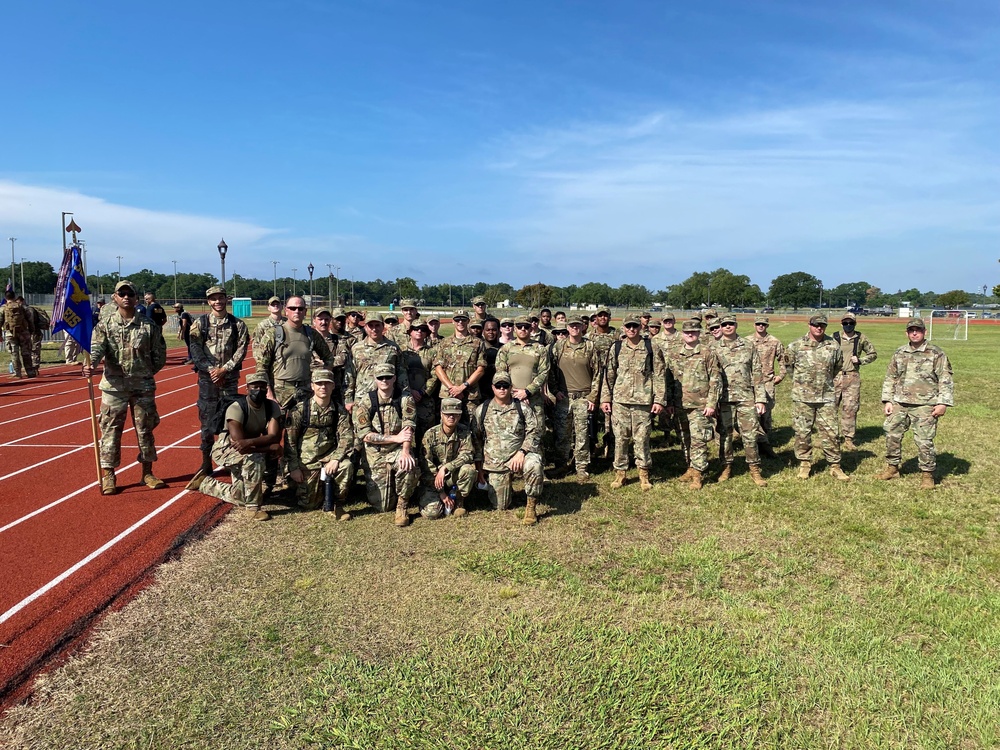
x,y
329,284
12,241
338,284
274,264
82,244
294,272
223,249
310,269
821,296
175,280
119,269
22,277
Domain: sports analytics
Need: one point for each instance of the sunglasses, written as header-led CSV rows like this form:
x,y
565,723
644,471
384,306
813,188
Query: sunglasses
x,y
632,325
383,378
460,320
714,328
274,304
501,386
295,307
123,293
911,330
374,324
506,325
522,326
561,332
479,304
726,325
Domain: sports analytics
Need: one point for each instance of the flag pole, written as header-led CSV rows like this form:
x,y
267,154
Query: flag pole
x,y
93,417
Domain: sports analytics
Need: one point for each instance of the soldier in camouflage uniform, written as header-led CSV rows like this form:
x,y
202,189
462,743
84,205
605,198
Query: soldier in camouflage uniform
x,y
273,319
373,350
528,363
742,397
814,361
434,323
219,342
604,335
133,351
355,327
769,350
447,464
917,391
243,448
668,339
459,363
708,320
384,423
17,330
634,387
479,310
491,337
538,334
318,445
507,439
857,350
343,362
697,387
578,364
37,332
401,333
418,359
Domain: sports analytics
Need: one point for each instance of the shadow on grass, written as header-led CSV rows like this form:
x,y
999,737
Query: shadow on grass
x,y
871,434
948,464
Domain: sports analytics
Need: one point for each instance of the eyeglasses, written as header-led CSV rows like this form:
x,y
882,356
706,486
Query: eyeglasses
x,y
383,378
506,325
273,304
561,332
522,326
501,386
479,304
714,328
911,330
460,320
295,307
817,325
760,324
726,325
631,325
124,293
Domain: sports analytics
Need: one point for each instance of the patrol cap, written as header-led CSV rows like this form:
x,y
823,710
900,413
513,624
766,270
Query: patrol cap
x,y
405,303
818,320
522,319
916,323
338,312
710,313
213,290
374,317
713,324
654,323
506,321
645,314
124,284
631,318
848,316
602,310
762,320
691,326
533,316
478,301
434,317
451,406
383,369
390,317
696,316
323,376
575,320
501,376
257,377
667,316
320,310
417,322
178,306
272,299
727,319
460,314
476,324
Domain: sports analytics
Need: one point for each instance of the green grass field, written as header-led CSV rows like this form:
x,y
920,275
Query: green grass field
x,y
804,615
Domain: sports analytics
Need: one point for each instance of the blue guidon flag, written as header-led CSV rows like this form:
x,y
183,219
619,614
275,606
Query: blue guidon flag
x,y
71,312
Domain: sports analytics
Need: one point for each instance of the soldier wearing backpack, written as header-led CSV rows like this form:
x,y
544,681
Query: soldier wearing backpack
x,y
857,350
17,331
40,323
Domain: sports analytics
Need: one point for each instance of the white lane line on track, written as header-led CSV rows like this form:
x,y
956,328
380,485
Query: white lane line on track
x,y
93,555
76,446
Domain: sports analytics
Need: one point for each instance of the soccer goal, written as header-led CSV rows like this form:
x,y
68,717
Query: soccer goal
x,y
948,324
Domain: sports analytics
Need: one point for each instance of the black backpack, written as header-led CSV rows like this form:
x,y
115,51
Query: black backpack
x,y
397,402
217,424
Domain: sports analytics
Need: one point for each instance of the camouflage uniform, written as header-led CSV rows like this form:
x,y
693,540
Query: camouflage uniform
x,y
603,343
459,359
367,356
246,469
769,350
697,385
918,379
498,433
386,482
37,332
528,365
17,331
742,390
570,415
419,367
223,344
668,341
133,351
288,367
635,379
327,436
814,366
847,385
343,364
456,454
260,331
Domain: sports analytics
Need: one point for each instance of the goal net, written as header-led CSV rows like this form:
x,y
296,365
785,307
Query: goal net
x,y
948,324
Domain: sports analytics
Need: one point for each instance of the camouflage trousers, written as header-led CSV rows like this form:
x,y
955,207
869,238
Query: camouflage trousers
x,y
209,397
19,347
924,430
425,418
36,350
764,419
631,424
384,480
71,350
247,471
310,492
824,418
114,408
698,436
746,420
847,397
572,439
287,391
499,483
464,479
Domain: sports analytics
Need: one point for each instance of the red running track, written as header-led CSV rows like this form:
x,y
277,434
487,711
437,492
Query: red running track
x,y
67,553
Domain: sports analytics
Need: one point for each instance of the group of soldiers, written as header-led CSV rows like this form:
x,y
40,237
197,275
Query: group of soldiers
x,y
427,418
23,327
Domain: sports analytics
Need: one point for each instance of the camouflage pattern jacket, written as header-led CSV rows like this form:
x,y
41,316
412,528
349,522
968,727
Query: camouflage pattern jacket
x,y
769,350
419,366
367,356
603,342
697,377
512,356
637,375
386,419
814,366
328,435
742,381
450,451
501,431
459,358
919,375
133,351
258,334
223,344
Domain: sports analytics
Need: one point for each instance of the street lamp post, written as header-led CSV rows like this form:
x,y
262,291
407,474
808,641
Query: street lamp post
x,y
329,284
338,284
274,264
22,277
223,249
310,269
175,280
119,269
12,241
294,271
821,296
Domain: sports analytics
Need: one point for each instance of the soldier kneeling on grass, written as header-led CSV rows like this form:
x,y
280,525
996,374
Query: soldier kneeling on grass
x,y
252,433
448,472
318,446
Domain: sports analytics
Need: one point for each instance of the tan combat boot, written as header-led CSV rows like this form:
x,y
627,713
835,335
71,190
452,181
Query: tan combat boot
x,y
686,476
108,486
927,480
338,509
727,471
530,519
891,472
837,473
695,479
402,517
259,514
849,444
804,468
195,484
149,480
644,482
756,476
619,481
459,507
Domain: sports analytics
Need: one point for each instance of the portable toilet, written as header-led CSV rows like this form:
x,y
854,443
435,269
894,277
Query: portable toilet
x,y
242,307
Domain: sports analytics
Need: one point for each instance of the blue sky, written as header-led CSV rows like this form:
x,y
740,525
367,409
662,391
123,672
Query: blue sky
x,y
562,142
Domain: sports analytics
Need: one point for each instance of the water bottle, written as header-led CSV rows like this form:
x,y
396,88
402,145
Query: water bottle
x,y
10,367
452,495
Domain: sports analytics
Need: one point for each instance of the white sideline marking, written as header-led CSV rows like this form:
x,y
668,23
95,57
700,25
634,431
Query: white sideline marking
x,y
97,552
